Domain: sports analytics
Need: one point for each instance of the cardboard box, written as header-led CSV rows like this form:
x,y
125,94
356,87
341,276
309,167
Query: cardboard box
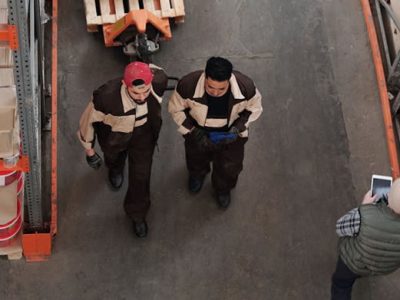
x,y
3,15
3,4
6,57
9,143
8,108
6,77
6,143
8,202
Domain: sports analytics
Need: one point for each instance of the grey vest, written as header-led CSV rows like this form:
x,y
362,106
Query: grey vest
x,y
376,249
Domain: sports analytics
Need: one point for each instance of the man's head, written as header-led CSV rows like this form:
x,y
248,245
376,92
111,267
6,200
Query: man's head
x,y
218,72
394,196
138,78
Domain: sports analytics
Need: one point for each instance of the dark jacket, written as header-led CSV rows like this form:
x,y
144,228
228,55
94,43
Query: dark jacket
x,y
376,248
188,104
112,116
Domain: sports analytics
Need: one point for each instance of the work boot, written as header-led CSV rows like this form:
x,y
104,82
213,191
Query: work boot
x,y
195,184
223,200
140,228
116,179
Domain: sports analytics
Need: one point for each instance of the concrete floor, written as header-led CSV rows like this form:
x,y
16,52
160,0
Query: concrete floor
x,y
308,160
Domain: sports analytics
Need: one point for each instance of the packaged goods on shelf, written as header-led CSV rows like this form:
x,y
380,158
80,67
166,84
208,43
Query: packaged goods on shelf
x,y
6,58
8,108
6,77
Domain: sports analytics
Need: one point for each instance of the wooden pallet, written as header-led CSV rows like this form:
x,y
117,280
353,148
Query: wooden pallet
x,y
113,10
14,250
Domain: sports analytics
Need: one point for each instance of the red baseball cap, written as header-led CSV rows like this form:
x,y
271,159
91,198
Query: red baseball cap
x,y
137,70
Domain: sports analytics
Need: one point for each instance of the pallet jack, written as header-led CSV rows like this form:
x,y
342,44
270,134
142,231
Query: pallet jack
x,y
136,25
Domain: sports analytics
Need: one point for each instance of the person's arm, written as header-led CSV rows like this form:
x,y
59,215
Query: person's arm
x,y
86,134
251,113
177,107
349,224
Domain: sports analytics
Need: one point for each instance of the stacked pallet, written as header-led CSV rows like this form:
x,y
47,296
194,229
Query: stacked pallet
x,y
99,12
11,181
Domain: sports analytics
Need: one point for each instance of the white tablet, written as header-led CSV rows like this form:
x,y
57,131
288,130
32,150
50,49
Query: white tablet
x,y
380,185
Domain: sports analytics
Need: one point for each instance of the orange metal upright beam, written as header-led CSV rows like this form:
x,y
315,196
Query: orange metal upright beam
x,y
54,128
383,93
22,165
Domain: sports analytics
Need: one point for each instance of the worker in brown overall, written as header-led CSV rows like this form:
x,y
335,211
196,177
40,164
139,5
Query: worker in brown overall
x,y
125,116
213,109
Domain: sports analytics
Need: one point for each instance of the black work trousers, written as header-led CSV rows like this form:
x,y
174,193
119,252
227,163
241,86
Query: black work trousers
x,y
139,149
342,281
226,160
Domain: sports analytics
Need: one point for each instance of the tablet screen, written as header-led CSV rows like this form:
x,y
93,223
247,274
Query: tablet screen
x,y
380,187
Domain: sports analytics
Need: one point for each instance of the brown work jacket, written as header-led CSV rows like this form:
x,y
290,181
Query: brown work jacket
x,y
188,104
112,115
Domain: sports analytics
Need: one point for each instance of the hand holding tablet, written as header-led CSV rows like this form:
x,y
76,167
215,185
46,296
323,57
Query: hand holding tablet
x,y
380,185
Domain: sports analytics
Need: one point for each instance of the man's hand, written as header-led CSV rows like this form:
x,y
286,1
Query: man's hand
x,y
200,136
234,130
368,198
94,160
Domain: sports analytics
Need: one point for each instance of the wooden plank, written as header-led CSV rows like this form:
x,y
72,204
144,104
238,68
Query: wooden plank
x,y
92,28
166,10
179,7
106,15
91,14
149,5
180,19
133,4
119,9
108,19
105,7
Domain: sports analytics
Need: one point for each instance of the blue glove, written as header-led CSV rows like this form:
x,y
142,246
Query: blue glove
x,y
217,137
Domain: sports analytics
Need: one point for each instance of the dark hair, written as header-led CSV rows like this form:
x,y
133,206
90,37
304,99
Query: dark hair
x,y
137,82
218,68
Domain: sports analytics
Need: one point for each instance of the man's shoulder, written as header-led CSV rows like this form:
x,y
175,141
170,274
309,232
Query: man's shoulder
x,y
109,87
187,84
106,92
191,78
242,77
246,84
